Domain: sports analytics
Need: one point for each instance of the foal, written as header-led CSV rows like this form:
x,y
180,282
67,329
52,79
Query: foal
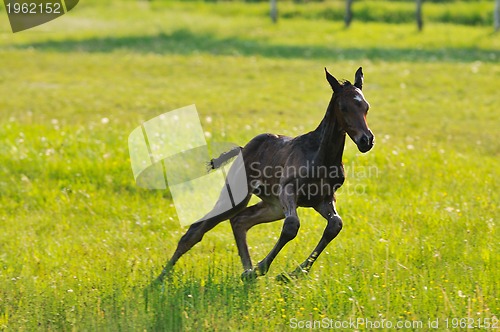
x,y
287,173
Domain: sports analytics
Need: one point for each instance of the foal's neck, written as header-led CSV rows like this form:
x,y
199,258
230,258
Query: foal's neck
x,y
331,137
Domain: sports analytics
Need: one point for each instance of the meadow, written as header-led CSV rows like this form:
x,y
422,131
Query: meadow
x,y
79,241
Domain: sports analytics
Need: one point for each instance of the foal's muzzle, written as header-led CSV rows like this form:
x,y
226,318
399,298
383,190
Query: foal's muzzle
x,y
365,142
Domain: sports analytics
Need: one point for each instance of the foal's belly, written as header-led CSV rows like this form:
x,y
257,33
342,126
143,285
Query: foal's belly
x,y
308,193
312,193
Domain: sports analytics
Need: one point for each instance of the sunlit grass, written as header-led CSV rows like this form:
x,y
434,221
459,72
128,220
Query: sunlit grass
x,y
80,240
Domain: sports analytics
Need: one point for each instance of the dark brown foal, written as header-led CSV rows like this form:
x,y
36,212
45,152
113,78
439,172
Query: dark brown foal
x,y
287,173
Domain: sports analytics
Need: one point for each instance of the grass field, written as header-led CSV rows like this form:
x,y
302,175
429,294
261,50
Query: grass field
x,y
79,240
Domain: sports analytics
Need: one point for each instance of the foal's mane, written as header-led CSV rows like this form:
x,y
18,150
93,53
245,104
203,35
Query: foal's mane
x,y
346,83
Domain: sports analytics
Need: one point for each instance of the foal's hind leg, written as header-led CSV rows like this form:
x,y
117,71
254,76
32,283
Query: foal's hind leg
x,y
261,212
289,231
333,228
195,233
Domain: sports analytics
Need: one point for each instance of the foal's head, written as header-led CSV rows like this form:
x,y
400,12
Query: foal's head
x,y
350,109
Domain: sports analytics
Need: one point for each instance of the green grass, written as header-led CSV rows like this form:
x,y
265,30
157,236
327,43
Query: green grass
x,y
79,240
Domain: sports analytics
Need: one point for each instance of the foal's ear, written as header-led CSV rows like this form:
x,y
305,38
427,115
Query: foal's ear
x,y
333,81
358,78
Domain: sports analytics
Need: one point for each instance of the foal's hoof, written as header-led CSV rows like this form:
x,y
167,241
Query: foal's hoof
x,y
249,275
285,278
289,277
159,283
156,285
152,291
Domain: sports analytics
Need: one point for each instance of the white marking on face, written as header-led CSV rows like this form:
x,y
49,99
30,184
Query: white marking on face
x,y
360,97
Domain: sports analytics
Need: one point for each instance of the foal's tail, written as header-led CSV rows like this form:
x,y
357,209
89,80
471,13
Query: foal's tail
x,y
230,196
223,158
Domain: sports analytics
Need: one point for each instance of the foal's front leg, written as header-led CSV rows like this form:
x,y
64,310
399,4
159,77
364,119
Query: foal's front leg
x,y
333,228
289,232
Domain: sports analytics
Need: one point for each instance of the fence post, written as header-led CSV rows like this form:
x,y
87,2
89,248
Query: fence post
x,y
418,12
274,10
496,15
348,13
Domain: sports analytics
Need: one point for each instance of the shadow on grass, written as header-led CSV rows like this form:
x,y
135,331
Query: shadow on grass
x,y
171,305
184,42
